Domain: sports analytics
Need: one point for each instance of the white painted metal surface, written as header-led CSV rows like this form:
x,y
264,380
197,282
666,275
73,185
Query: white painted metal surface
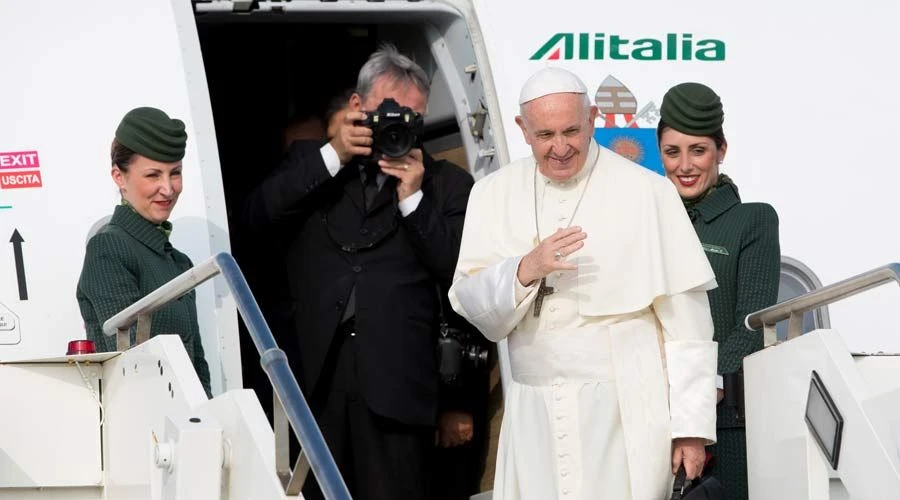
x,y
161,438
141,388
784,462
95,493
49,425
249,445
191,458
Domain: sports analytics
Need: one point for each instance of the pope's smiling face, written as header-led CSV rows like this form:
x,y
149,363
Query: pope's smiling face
x,y
558,127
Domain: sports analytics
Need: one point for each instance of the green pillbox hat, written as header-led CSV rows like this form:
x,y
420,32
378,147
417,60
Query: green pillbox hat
x,y
151,133
693,109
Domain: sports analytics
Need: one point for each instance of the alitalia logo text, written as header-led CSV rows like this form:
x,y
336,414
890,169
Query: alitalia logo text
x,y
600,46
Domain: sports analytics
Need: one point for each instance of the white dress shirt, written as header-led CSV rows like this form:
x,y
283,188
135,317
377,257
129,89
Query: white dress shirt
x,y
333,164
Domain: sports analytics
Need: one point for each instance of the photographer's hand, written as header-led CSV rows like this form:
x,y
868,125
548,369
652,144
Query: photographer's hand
x,y
409,170
455,428
352,139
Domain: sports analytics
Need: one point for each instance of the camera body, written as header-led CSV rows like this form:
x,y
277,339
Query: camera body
x,y
395,129
457,352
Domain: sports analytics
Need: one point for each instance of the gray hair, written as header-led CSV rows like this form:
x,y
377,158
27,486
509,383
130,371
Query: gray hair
x,y
586,101
387,61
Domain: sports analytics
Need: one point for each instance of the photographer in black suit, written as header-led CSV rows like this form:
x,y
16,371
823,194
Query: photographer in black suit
x,y
371,231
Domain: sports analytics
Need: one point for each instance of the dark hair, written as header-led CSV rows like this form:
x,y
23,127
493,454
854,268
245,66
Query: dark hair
x,y
310,124
718,136
120,155
337,103
304,115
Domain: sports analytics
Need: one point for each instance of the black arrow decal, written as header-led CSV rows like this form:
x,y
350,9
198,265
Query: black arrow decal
x,y
17,240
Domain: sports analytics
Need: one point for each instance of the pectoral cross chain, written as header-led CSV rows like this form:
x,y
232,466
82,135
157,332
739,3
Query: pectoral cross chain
x,y
543,291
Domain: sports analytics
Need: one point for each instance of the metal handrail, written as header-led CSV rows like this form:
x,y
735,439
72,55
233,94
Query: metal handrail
x,y
793,309
274,361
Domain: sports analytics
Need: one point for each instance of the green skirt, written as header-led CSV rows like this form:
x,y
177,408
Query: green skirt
x,y
730,464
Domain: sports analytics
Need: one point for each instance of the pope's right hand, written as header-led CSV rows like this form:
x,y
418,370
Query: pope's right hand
x,y
550,255
352,139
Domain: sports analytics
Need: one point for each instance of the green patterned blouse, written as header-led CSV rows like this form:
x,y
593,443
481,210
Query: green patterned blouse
x,y
741,242
125,261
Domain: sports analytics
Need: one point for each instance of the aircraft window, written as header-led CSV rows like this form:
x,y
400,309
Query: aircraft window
x,y
797,279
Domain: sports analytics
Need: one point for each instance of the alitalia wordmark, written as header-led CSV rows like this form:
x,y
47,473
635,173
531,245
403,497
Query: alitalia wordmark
x,y
599,46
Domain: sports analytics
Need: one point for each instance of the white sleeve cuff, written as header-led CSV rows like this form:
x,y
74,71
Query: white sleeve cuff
x,y
331,159
522,291
410,204
720,382
692,373
483,298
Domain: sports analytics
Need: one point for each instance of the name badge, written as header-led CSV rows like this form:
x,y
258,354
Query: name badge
x,y
715,249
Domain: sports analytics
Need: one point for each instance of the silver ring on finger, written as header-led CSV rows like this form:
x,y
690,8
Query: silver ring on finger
x,y
558,255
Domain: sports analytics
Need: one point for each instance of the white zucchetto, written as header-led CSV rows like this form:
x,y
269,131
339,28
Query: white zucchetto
x,y
551,81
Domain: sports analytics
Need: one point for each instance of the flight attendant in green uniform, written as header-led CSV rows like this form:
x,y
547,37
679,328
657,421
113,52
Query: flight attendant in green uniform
x,y
132,255
741,243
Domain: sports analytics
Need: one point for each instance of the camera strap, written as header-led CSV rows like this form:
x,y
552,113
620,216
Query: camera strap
x,y
443,325
436,194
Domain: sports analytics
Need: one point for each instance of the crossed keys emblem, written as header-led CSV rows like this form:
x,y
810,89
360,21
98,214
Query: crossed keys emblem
x,y
613,98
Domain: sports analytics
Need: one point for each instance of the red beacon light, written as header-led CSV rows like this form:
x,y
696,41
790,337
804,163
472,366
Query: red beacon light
x,y
81,347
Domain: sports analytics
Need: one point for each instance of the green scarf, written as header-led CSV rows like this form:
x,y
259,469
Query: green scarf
x,y
165,227
721,181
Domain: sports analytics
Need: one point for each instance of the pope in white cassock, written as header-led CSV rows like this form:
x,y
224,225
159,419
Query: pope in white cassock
x,y
587,263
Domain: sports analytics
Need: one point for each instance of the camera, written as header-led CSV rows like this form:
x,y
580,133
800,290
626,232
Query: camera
x,y
458,350
395,129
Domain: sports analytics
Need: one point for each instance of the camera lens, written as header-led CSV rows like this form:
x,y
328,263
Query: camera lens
x,y
394,140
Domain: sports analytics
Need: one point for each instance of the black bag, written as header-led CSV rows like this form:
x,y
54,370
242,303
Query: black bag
x,y
702,488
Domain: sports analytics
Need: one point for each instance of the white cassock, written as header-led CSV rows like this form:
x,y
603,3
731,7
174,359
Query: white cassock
x,y
621,359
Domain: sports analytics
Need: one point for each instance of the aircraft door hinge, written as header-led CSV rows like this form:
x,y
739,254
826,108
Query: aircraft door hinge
x,y
477,121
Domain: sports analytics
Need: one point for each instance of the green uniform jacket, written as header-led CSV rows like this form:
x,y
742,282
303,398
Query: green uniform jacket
x,y
125,261
741,243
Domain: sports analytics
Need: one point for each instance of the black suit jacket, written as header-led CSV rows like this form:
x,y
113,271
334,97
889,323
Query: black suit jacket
x,y
394,262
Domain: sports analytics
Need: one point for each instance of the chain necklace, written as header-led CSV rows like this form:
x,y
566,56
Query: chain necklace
x,y
537,227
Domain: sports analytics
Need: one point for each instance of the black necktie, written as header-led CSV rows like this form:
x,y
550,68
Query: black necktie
x,y
370,186
370,190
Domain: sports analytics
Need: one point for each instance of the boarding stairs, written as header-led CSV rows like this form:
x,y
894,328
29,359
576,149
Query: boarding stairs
x,y
137,424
